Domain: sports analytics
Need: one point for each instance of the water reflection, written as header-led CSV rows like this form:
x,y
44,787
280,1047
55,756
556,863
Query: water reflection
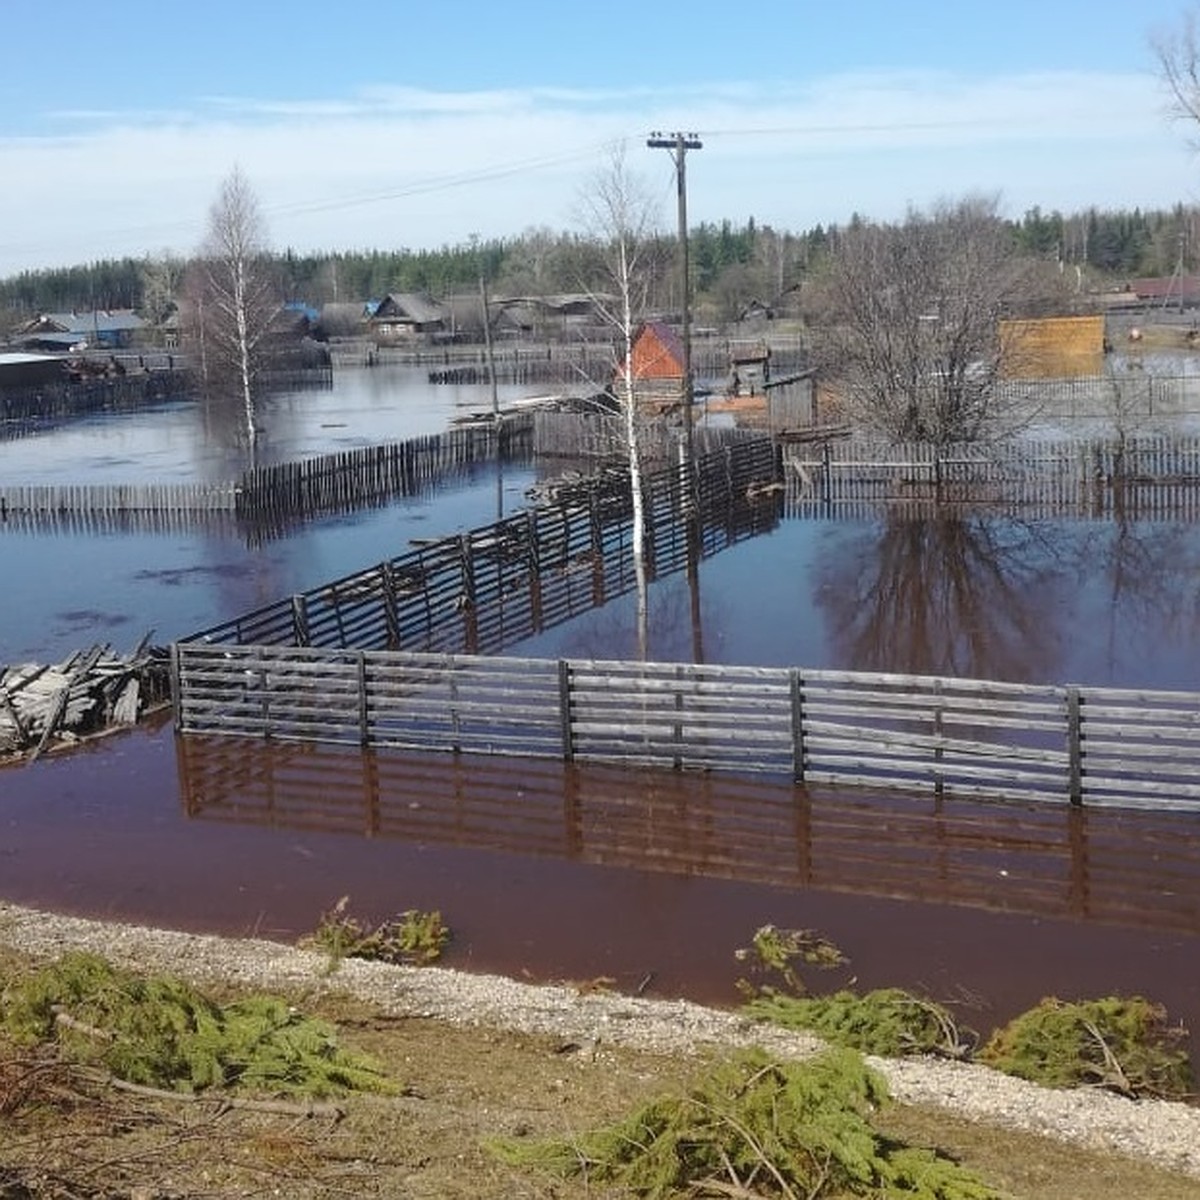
x,y
946,593
1112,868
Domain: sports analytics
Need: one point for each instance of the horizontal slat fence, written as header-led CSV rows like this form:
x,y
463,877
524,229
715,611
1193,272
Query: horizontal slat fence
x,y
1137,869
953,737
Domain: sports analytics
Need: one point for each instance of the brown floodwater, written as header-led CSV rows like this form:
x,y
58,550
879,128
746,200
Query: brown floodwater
x,y
552,872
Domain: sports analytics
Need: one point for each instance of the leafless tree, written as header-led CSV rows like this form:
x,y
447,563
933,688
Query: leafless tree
x,y
1178,54
618,214
914,311
233,297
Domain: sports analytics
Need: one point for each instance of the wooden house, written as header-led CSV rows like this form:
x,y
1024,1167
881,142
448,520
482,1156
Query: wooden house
x,y
406,316
105,329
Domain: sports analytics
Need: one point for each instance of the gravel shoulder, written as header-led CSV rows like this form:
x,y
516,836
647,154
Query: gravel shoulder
x,y
1158,1132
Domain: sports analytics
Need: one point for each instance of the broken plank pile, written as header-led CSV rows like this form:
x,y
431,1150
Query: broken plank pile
x,y
90,693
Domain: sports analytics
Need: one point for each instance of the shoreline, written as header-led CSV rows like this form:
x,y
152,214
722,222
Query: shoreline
x,y
1162,1132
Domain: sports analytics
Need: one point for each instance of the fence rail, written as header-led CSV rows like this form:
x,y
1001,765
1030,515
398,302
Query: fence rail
x,y
954,737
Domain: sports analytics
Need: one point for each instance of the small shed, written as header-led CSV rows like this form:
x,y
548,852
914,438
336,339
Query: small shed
x,y
749,368
19,370
657,366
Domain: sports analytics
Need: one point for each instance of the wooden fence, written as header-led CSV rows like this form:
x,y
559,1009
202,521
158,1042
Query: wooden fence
x,y
954,737
1097,474
486,589
1119,398
22,409
269,500
1115,867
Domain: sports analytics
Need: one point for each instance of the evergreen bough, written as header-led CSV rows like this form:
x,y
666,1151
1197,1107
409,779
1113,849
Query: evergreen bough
x,y
1124,1044
161,1032
889,1022
757,1127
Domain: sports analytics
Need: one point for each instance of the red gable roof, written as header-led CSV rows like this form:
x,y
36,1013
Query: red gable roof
x,y
657,353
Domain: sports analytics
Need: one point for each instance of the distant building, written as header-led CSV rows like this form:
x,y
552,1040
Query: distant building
x,y
406,316
104,329
1052,347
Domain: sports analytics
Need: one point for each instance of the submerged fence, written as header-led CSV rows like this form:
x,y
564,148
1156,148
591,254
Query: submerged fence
x,y
1093,474
391,657
268,500
952,736
486,589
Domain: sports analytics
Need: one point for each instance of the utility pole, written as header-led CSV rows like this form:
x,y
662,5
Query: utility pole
x,y
679,144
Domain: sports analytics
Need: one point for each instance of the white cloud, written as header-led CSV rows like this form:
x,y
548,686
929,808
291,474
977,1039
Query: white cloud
x,y
392,166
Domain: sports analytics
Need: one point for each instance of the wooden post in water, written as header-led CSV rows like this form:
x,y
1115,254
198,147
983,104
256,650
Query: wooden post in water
x,y
1074,746
564,710
796,688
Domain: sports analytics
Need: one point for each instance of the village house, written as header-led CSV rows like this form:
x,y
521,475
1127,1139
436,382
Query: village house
x,y
102,329
406,316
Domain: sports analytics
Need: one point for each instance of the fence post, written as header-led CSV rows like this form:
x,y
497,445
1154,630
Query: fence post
x,y
826,473
564,710
1074,746
387,585
364,708
177,689
796,686
300,620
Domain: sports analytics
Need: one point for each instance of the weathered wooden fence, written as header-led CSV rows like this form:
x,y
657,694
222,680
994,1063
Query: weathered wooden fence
x,y
950,736
1082,473
269,499
1120,398
19,407
602,435
488,588
1093,864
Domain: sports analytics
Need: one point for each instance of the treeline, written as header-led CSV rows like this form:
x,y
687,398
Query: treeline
x,y
732,264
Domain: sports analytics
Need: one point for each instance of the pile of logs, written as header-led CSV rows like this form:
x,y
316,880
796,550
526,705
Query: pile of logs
x,y
90,693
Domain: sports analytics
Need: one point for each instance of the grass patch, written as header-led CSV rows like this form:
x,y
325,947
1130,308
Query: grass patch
x,y
414,938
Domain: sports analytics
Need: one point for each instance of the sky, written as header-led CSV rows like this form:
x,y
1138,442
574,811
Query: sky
x,y
389,126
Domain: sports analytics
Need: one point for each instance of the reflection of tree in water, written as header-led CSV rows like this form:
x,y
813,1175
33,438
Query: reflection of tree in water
x,y
1148,570
945,594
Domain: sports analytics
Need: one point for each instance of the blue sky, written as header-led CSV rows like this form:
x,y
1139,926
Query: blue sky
x,y
403,125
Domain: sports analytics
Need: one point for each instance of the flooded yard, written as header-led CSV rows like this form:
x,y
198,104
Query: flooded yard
x,y
557,874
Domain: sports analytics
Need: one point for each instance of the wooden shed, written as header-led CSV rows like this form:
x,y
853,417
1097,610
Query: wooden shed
x,y
657,367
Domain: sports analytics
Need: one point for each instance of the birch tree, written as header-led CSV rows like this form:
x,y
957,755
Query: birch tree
x,y
233,296
618,213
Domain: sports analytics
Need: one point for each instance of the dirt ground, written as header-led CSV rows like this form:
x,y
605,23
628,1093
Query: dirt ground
x,y
64,1136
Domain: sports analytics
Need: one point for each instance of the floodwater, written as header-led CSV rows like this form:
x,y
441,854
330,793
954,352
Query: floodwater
x,y
553,872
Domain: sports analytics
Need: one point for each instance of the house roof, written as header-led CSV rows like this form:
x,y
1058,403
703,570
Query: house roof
x,y
418,307
1165,287
100,321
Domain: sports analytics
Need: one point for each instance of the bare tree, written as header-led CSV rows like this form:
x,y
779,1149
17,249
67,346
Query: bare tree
x,y
1178,54
233,297
618,214
914,311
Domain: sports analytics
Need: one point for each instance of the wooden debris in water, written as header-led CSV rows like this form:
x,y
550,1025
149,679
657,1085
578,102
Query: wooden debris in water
x,y
89,693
